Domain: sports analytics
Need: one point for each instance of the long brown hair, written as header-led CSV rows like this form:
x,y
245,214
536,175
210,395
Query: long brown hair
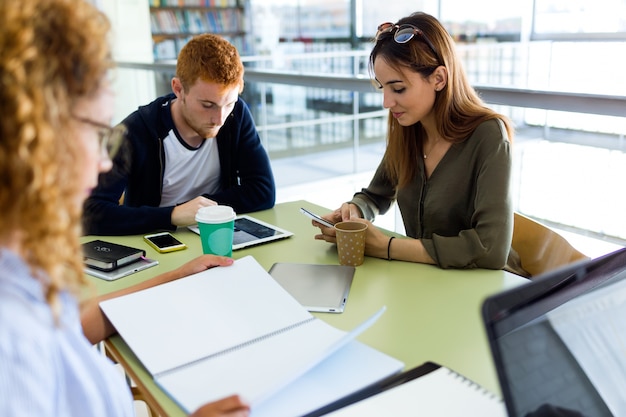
x,y
52,54
458,109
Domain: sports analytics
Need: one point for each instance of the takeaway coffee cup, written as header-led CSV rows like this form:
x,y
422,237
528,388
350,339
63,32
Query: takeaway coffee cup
x,y
217,226
351,242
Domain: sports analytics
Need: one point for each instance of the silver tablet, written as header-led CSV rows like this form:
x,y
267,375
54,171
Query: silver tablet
x,y
122,271
320,288
250,231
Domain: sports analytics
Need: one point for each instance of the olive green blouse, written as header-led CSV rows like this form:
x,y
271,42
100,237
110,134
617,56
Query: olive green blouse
x,y
463,213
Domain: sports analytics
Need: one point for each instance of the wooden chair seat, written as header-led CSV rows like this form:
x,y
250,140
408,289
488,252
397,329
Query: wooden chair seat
x,y
540,248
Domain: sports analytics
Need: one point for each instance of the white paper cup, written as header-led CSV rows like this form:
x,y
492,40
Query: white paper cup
x,y
217,226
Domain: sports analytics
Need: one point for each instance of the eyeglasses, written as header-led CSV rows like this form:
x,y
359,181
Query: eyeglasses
x,y
405,33
109,138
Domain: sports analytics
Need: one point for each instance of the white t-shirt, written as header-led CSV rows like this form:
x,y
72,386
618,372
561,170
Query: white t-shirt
x,y
189,172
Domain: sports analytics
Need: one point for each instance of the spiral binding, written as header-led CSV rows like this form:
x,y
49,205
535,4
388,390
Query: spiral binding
x,y
473,385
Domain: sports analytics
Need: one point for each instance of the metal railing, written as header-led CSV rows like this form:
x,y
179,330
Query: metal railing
x,y
300,112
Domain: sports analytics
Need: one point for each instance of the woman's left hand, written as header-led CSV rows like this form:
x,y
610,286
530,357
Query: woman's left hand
x,y
201,263
375,241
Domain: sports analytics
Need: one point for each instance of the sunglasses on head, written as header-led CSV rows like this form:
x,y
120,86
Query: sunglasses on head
x,y
404,33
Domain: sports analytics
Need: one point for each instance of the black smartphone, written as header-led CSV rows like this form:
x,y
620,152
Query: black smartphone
x,y
164,242
316,217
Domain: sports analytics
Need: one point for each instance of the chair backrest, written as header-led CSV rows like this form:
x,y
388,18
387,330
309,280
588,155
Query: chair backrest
x,y
540,248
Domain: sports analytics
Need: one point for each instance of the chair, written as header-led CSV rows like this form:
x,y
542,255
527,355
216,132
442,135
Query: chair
x,y
540,248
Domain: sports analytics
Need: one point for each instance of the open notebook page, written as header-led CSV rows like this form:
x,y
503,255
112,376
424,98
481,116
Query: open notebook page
x,y
203,314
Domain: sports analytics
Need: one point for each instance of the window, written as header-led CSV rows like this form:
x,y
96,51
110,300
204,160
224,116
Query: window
x,y
307,20
493,19
566,18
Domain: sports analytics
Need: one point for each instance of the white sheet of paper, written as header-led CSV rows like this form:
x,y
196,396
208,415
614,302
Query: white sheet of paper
x,y
232,330
259,370
341,374
255,307
440,393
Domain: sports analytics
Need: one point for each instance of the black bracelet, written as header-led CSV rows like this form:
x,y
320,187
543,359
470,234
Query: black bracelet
x,y
389,248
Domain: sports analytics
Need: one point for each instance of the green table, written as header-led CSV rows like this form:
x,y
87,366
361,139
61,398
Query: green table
x,y
432,314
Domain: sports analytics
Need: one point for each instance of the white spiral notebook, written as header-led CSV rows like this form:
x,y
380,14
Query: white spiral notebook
x,y
236,330
427,390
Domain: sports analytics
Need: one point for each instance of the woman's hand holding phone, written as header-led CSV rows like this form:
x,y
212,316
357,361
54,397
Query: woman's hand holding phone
x,y
319,219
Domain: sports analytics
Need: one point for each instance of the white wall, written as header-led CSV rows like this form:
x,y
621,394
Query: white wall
x,y
132,42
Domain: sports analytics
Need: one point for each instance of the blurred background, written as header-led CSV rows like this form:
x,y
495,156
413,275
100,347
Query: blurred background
x,y
555,67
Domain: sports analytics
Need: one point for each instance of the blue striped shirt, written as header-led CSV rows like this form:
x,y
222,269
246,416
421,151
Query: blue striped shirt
x,y
48,368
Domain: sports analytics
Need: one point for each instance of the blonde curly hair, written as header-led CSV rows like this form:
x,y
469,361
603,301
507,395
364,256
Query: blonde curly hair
x,y
52,54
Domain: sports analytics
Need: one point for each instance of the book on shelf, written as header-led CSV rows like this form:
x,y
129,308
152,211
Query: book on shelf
x,y
173,22
236,330
195,21
165,49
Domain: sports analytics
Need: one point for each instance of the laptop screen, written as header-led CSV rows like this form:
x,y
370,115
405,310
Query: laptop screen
x,y
558,341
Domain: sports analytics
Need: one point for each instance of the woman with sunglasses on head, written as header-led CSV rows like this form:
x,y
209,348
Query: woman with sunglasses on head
x,y
55,139
447,162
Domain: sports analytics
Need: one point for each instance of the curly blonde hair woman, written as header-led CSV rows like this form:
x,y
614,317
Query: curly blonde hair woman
x,y
56,106
40,176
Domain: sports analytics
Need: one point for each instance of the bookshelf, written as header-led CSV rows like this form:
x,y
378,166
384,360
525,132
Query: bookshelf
x,y
174,22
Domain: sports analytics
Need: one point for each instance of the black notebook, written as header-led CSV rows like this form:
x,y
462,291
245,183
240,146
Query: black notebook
x,y
107,256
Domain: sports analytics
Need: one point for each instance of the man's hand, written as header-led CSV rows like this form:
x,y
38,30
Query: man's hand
x,y
185,214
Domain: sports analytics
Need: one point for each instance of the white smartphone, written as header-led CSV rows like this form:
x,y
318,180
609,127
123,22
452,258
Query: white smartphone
x,y
316,217
164,242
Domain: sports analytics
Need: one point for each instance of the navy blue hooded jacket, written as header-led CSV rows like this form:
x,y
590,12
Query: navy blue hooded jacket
x,y
246,179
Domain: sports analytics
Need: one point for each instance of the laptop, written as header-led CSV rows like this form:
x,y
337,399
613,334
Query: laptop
x,y
319,288
543,370
556,341
250,231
